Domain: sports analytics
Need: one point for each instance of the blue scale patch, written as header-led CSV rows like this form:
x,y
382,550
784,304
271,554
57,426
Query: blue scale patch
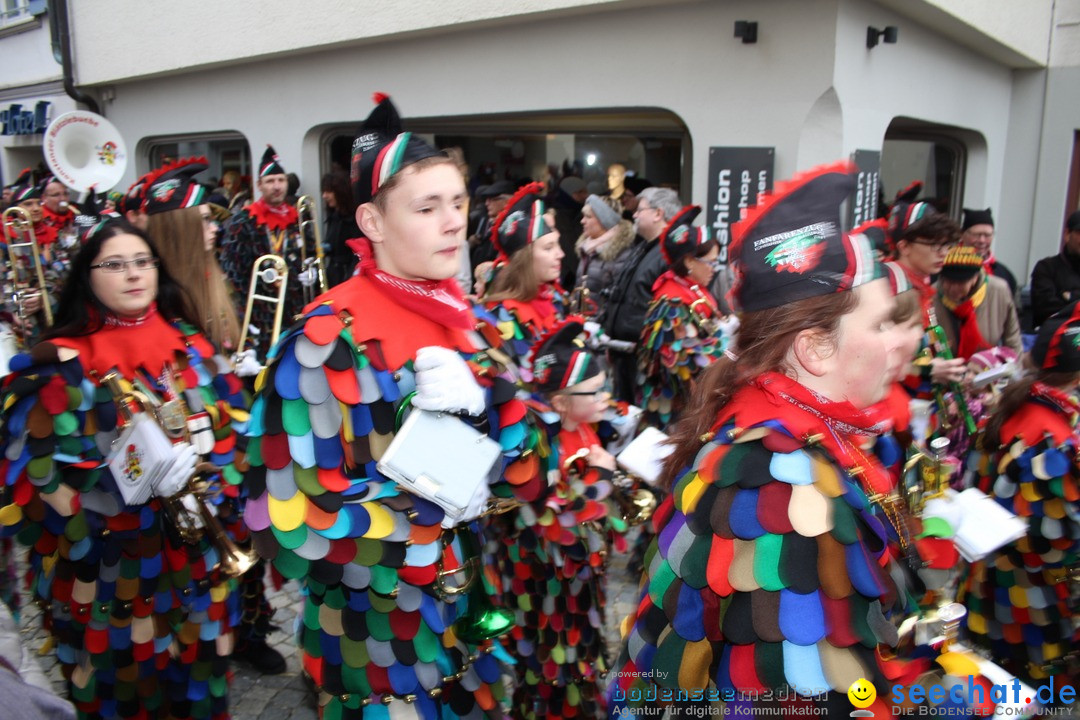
x,y
793,468
802,668
743,517
802,619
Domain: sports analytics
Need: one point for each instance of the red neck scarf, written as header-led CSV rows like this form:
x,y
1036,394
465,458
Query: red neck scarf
x,y
438,300
840,426
271,217
926,291
970,339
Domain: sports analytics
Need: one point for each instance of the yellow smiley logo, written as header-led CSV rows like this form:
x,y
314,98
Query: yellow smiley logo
x,y
862,693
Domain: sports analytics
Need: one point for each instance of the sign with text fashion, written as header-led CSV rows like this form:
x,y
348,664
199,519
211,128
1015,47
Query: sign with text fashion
x,y
737,176
863,205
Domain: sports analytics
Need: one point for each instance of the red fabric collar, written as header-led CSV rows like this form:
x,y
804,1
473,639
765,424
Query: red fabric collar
x,y
396,329
842,428
926,291
57,220
540,312
273,218
148,345
440,300
1050,411
672,285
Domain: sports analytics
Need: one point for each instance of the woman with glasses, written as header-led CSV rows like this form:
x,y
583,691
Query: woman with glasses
x,y
142,616
525,295
682,333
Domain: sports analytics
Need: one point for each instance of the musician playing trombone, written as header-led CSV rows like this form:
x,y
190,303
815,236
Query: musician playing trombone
x,y
140,601
267,226
29,245
380,631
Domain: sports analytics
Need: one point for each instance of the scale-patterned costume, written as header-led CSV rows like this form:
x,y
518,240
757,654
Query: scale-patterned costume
x,y
143,622
769,571
376,638
1018,598
678,340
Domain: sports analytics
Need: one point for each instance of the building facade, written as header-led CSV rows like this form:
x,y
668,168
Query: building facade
x,y
979,98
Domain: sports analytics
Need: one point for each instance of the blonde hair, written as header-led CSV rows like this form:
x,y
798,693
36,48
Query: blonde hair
x,y
178,236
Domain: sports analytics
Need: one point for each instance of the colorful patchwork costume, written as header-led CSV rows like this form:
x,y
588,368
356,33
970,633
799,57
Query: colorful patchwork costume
x,y
143,621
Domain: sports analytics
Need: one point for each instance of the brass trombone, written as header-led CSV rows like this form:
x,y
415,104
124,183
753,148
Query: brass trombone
x,y
19,233
305,218
268,269
190,525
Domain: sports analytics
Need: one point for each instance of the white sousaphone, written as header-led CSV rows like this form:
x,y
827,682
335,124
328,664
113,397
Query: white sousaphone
x,y
85,150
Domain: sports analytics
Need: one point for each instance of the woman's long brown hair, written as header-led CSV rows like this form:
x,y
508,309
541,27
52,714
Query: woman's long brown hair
x,y
179,238
764,338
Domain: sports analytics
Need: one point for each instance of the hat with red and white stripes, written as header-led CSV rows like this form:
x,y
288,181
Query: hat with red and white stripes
x,y
381,150
173,187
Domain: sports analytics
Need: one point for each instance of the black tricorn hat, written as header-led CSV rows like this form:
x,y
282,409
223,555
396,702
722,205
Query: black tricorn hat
x,y
521,221
791,247
381,150
559,359
1057,346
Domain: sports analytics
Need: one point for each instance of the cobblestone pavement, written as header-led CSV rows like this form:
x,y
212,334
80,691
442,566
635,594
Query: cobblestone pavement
x,y
254,696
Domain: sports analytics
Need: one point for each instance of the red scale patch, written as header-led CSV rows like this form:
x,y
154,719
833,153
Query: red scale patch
x,y
53,396
322,329
275,451
743,669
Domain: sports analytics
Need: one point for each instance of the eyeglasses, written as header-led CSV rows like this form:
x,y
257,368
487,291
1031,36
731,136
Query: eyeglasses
x,y
116,266
601,394
940,247
980,234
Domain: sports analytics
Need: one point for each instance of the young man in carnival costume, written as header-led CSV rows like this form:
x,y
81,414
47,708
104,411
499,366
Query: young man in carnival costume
x,y
377,637
771,574
266,226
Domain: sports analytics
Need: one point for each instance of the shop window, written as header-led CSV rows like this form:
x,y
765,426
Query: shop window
x,y
224,152
650,144
936,158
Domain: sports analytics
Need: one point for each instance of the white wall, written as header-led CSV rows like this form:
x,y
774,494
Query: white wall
x,y
180,36
726,92
27,58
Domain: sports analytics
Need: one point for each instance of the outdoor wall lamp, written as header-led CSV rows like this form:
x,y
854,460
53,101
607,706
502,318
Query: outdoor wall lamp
x,y
747,31
888,35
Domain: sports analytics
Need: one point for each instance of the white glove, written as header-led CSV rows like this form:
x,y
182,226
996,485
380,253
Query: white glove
x,y
444,382
477,505
307,278
179,473
729,325
245,364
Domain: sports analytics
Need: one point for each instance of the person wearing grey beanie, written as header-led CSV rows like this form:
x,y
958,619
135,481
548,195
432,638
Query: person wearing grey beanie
x,y
603,212
603,247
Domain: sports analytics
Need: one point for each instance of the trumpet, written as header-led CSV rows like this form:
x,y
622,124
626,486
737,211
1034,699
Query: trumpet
x,y
481,619
268,269
19,232
636,504
191,524
305,212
